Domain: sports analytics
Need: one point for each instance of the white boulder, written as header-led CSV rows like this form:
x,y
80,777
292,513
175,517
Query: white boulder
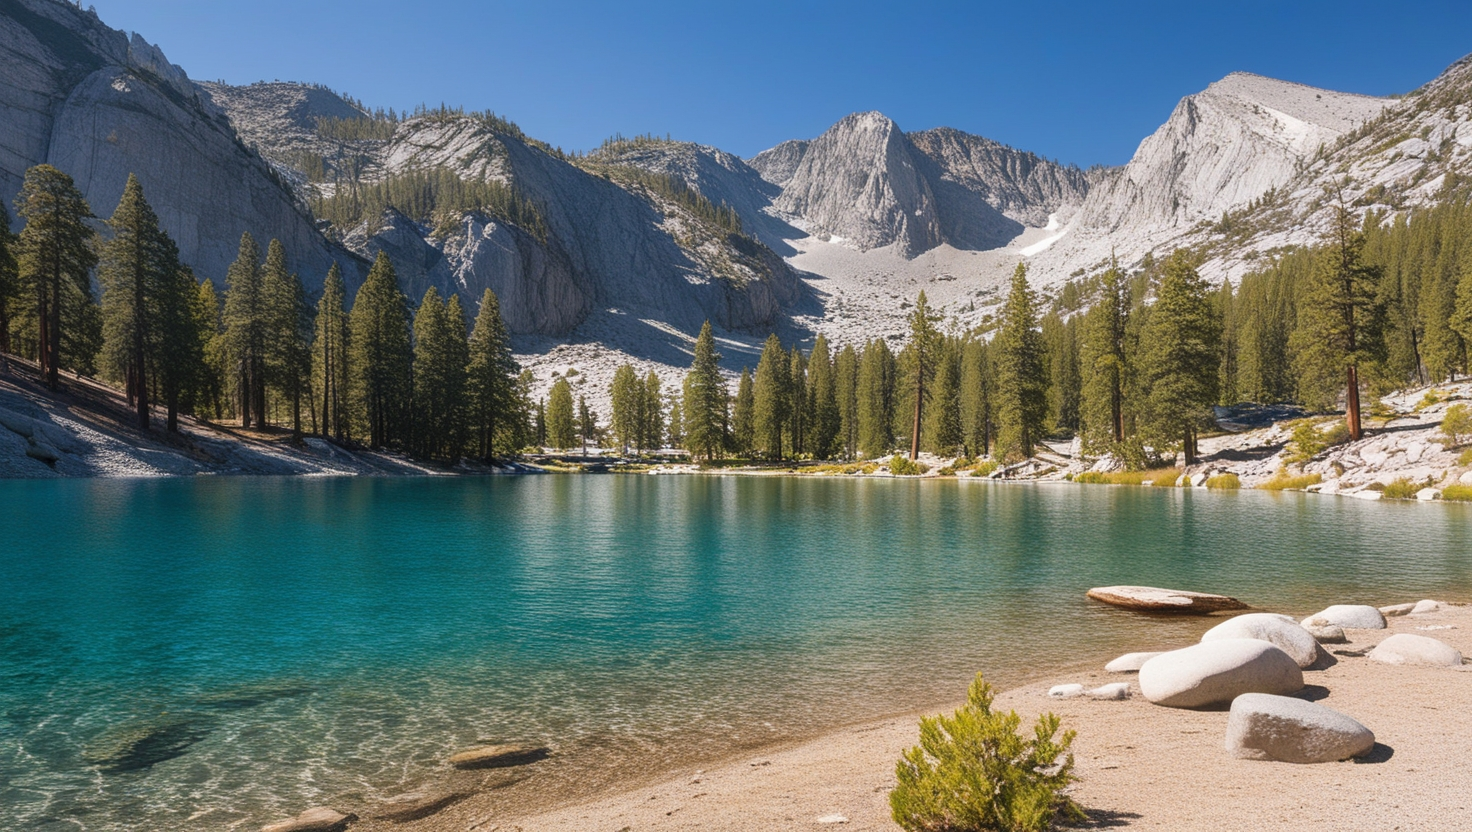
x,y
1111,692
1426,495
1397,609
1066,691
1129,662
1274,629
1350,617
1327,634
1426,606
1216,672
1404,648
1266,727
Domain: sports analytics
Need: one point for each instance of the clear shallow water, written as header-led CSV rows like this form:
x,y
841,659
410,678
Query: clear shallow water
x,y
284,642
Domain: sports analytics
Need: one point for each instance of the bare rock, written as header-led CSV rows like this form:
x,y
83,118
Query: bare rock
x,y
1113,691
499,756
1129,662
318,819
1349,616
1266,727
416,805
1397,609
1274,629
1216,672
1154,599
1066,691
1426,606
1405,648
1327,634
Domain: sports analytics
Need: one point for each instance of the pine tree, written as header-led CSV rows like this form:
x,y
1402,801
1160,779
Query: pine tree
x,y
496,400
876,400
441,356
743,416
54,258
587,424
209,387
772,391
924,349
943,434
1060,339
136,269
381,358
627,402
978,405
9,282
1462,312
1022,372
1340,316
1179,358
824,418
846,381
183,372
288,332
1104,364
705,406
561,420
653,412
1226,312
246,332
330,356
676,408
798,415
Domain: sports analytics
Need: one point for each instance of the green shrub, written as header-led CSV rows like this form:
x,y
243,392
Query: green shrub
x,y
1309,441
1457,424
1091,478
1226,481
1284,481
1403,489
972,771
1465,458
985,469
1431,397
1155,476
1457,493
901,466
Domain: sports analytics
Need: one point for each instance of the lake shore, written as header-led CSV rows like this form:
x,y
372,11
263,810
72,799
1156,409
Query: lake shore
x,y
1140,766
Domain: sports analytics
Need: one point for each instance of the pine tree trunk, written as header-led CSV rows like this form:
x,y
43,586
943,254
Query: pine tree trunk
x,y
919,399
1352,409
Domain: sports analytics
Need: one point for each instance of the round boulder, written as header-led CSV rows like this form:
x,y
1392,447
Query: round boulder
x,y
1129,662
1216,672
1274,629
1350,617
1266,727
1327,634
1404,648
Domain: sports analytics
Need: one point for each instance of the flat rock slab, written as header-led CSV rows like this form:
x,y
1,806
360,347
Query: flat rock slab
x,y
1274,629
317,819
1155,599
416,805
1348,616
1265,727
499,756
1129,662
1405,648
1216,672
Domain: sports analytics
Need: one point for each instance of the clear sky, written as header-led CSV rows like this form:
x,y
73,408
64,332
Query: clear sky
x,y
1081,82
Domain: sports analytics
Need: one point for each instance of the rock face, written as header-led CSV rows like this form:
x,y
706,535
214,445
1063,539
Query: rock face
x,y
1216,672
1129,662
1154,599
778,164
1405,648
98,106
499,756
1023,186
318,819
1349,616
1266,727
1274,629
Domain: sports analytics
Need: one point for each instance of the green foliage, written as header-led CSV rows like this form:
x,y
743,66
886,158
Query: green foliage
x,y
1308,440
1457,493
361,129
825,421
1457,423
1022,372
441,356
772,398
743,416
1403,489
977,397
704,410
902,466
1465,457
1284,481
498,401
985,468
9,279
54,258
561,418
1179,362
875,399
381,359
1148,476
846,380
247,332
919,362
430,195
330,358
1104,364
972,771
1224,482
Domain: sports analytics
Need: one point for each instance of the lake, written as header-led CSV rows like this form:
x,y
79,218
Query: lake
x,y
215,652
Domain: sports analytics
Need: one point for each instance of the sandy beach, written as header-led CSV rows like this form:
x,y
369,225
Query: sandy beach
x,y
1140,766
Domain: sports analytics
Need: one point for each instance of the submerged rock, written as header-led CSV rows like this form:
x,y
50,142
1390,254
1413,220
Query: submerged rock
x,y
1154,599
316,819
1129,662
1349,616
138,745
499,756
416,805
1274,629
1216,672
1266,727
1404,648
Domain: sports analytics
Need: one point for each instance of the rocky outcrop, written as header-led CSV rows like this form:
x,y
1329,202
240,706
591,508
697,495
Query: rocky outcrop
x,y
1022,186
499,756
316,819
98,105
1129,662
778,164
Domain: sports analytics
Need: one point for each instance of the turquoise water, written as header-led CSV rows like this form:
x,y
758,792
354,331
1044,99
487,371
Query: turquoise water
x,y
278,643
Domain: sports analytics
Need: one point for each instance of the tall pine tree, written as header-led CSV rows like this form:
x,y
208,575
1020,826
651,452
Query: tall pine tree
x,y
561,418
496,401
772,389
824,422
1104,363
247,332
743,416
924,351
330,357
55,258
704,411
1022,372
381,358
1179,358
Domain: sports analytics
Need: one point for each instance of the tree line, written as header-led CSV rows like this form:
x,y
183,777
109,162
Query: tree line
x,y
386,374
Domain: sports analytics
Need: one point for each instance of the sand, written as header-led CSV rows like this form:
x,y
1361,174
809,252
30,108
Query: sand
x,y
1140,766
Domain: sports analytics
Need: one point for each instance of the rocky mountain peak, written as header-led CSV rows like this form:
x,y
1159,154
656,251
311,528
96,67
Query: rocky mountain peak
x,y
778,164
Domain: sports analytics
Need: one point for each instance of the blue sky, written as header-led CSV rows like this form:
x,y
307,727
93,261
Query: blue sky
x,y
1082,82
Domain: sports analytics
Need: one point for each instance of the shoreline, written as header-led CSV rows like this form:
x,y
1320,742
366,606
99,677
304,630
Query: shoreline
x,y
1141,766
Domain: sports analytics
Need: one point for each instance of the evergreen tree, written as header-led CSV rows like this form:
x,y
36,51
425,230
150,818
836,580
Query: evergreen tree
x,y
978,406
876,400
9,282
824,420
441,357
288,332
924,349
1060,339
1104,364
772,389
1340,316
330,356
653,412
209,388
943,434
1179,358
247,332
496,400
846,381
797,402
137,268
539,423
1226,312
1022,372
561,419
1462,311
743,416
54,258
587,424
704,412
676,409
182,372
627,395
381,357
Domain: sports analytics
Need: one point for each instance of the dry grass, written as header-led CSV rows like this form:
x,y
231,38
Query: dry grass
x,y
1288,482
1154,476
1225,482
1457,493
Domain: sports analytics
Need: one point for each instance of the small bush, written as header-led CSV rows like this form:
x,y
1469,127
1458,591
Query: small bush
x,y
1226,481
985,469
1403,489
1091,478
1284,481
1309,441
1431,397
972,771
901,466
1457,424
1465,458
1457,493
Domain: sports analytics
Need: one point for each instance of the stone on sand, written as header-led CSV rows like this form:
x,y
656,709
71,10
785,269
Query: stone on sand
x,y
499,756
1129,662
1405,648
1155,599
1266,727
1066,691
1216,672
1349,616
1272,628
1423,607
1327,634
1111,692
318,819
1397,609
